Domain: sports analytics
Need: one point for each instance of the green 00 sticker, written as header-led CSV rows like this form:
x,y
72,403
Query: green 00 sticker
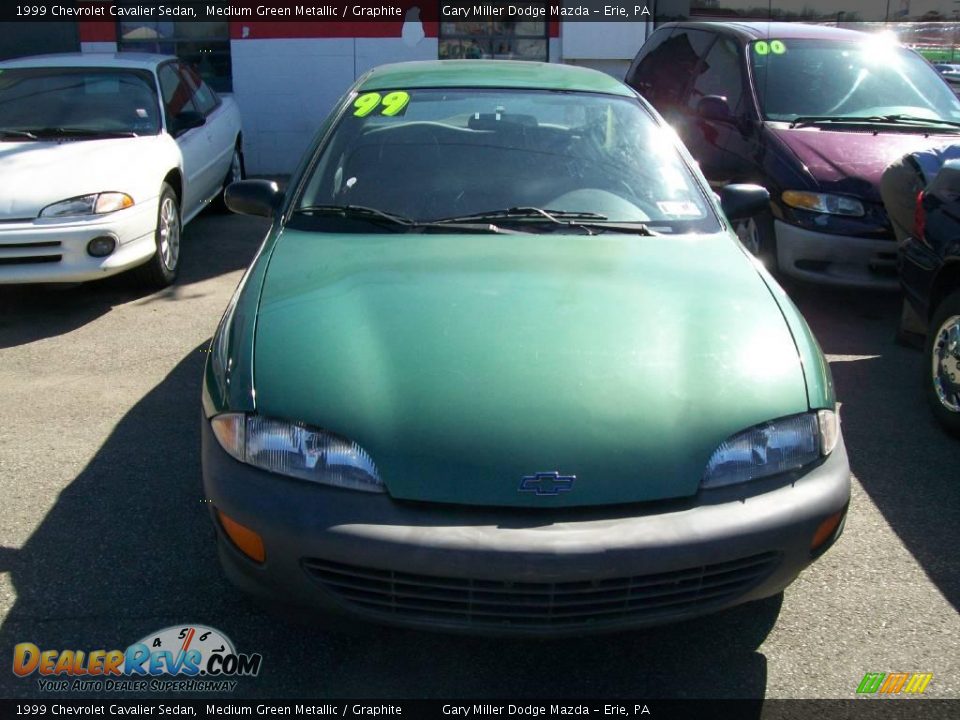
x,y
393,103
762,47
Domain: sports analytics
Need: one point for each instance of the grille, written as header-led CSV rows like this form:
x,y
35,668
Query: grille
x,y
30,260
461,601
29,253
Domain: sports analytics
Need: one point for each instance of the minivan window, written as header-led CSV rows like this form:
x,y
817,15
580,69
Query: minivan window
x,y
668,68
720,75
803,78
639,75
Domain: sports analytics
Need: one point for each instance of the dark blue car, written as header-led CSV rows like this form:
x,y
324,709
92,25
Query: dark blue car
x,y
930,277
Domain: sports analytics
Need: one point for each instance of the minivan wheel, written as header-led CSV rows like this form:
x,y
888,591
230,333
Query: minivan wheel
x,y
757,235
942,366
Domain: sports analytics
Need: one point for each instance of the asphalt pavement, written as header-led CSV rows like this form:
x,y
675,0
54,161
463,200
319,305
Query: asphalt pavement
x,y
104,536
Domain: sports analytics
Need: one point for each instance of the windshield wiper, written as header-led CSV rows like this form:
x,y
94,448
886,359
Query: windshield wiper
x,y
11,132
869,119
631,228
554,216
80,132
357,211
900,118
588,221
401,222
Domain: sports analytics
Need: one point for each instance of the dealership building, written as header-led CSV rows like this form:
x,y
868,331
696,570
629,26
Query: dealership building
x,y
286,75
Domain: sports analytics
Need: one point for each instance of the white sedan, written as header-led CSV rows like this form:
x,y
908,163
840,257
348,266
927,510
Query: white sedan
x,y
103,159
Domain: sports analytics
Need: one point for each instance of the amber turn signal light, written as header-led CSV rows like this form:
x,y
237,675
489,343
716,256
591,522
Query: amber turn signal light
x,y
246,540
825,530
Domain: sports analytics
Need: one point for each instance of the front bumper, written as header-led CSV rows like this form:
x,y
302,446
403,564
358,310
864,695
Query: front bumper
x,y
835,259
48,250
516,571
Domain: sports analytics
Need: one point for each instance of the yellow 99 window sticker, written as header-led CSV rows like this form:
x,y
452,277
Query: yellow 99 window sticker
x,y
391,104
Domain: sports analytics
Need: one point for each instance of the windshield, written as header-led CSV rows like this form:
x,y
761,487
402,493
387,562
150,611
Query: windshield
x,y
436,154
83,101
803,78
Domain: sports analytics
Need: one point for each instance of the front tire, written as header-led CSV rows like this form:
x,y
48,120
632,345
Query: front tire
x,y
942,363
161,269
235,173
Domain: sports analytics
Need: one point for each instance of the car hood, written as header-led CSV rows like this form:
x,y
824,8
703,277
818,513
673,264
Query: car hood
x,y
852,161
463,363
37,173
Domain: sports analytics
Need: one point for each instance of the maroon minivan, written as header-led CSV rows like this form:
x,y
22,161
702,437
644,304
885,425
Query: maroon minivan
x,y
812,113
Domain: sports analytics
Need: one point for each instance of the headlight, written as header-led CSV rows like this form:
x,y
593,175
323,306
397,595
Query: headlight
x,y
95,204
822,203
772,448
297,450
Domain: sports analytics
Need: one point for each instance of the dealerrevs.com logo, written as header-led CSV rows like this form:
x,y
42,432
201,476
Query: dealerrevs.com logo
x,y
180,658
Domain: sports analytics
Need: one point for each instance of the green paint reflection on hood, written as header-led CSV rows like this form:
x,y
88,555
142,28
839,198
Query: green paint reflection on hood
x,y
463,362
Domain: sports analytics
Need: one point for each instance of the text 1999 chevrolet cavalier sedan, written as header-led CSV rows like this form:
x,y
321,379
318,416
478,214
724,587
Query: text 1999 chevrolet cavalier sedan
x,y
501,365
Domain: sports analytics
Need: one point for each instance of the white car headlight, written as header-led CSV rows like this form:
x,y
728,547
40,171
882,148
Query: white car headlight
x,y
297,450
95,204
823,203
772,448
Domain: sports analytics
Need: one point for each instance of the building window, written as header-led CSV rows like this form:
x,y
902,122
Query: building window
x,y
494,40
204,45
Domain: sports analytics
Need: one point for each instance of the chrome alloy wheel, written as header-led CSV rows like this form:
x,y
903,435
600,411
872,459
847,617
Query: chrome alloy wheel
x,y
945,358
169,233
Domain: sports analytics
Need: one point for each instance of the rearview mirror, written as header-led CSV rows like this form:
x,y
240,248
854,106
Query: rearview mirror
x,y
742,201
714,107
253,197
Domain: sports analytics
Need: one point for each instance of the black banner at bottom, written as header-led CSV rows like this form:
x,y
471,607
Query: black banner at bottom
x,y
862,709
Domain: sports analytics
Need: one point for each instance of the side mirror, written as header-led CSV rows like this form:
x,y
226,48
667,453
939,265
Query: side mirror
x,y
740,202
715,108
187,120
253,197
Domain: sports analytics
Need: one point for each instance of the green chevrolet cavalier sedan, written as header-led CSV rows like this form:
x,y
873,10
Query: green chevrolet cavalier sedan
x,y
501,365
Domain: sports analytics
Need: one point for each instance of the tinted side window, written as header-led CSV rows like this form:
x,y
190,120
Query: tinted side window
x,y
177,94
205,99
665,73
720,74
639,76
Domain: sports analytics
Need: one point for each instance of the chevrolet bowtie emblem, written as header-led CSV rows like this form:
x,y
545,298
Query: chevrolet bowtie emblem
x,y
547,483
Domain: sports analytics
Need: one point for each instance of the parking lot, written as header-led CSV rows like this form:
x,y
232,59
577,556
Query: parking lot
x,y
105,536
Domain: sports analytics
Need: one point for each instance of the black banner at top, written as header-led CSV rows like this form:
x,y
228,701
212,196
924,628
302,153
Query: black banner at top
x,y
518,709
823,11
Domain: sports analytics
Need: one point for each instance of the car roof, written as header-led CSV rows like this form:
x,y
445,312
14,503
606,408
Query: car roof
x,y
135,60
748,31
492,74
